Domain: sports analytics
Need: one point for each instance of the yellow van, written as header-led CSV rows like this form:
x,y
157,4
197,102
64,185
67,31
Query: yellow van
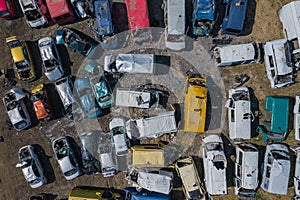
x,y
195,104
147,156
23,62
99,194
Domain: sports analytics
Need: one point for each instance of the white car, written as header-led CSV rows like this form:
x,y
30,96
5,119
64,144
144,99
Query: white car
x,y
240,116
297,174
66,158
276,169
297,117
52,65
279,69
32,13
215,165
118,133
16,109
31,167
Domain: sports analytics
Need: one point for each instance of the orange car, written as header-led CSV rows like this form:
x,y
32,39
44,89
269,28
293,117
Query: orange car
x,y
40,102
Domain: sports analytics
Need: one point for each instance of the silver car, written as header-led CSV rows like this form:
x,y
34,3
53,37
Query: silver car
x,y
16,109
118,133
64,87
32,13
52,65
66,158
31,167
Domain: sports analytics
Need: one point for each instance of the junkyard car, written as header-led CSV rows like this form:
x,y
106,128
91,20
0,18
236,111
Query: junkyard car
x,y
133,194
80,8
31,167
297,117
23,62
192,186
238,54
215,165
61,11
85,93
279,69
235,15
94,194
195,101
74,41
32,13
106,156
240,116
40,100
99,84
276,118
90,164
7,9
148,155
151,179
203,17
16,108
276,169
246,169
118,133
52,65
297,174
65,156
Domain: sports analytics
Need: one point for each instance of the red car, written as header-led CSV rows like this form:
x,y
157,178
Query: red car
x,y
7,9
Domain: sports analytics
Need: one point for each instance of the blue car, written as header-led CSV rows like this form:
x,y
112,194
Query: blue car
x,y
105,29
87,98
235,15
132,194
203,17
100,85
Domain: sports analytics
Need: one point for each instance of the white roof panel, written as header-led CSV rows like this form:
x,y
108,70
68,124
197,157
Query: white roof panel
x,y
176,17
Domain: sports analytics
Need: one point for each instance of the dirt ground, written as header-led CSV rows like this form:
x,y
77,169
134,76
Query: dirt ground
x,y
263,14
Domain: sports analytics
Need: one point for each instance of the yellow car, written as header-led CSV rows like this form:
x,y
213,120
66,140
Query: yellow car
x,y
195,104
91,194
23,62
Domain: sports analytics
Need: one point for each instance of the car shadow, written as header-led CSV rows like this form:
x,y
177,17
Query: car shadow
x,y
31,111
156,14
76,148
220,12
229,151
55,102
37,61
65,59
45,162
250,16
120,17
162,64
18,10
255,111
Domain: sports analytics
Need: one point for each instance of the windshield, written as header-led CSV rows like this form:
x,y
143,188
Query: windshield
x,y
214,146
4,13
71,172
14,44
22,65
21,125
32,15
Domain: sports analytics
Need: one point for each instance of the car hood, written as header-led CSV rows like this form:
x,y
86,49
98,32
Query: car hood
x,y
65,164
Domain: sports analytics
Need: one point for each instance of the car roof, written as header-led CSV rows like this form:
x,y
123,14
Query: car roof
x,y
237,14
138,16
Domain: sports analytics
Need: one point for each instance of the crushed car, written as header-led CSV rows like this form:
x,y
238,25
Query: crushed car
x,y
195,101
78,44
215,165
152,127
100,86
151,179
32,13
175,24
40,100
276,169
279,71
246,169
31,167
238,54
52,64
65,156
240,116
61,11
275,125
23,62
118,132
192,185
130,63
203,17
14,102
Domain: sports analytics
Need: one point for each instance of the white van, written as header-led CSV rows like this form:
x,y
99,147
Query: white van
x,y
215,165
238,54
152,127
297,174
130,63
297,117
175,26
192,185
246,169
279,70
137,97
151,179
276,169
240,116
